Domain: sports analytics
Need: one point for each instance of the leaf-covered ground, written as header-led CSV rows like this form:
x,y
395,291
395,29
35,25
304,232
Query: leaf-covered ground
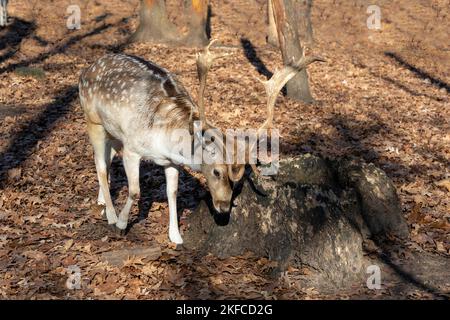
x,y
382,96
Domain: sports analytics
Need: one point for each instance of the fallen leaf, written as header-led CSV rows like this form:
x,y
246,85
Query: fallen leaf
x,y
34,254
444,184
440,246
68,244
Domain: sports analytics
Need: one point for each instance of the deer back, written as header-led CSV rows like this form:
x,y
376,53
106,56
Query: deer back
x,y
126,93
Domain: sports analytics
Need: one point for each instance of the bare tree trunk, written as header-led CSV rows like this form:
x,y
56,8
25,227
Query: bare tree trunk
x,y
305,30
198,15
272,35
285,17
3,13
154,24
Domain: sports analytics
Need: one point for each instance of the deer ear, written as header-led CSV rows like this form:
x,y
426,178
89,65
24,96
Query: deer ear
x,y
236,172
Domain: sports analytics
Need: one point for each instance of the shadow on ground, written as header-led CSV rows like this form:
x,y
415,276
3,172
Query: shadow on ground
x,y
12,36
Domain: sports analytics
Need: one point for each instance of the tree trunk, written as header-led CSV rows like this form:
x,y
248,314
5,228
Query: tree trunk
x,y
305,30
154,24
198,14
315,212
272,35
286,21
3,13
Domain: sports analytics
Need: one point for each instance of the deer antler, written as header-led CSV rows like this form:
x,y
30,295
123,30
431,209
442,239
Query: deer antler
x,y
275,84
205,60
278,81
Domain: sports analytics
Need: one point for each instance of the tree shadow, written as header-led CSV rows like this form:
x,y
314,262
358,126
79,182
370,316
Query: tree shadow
x,y
64,46
15,33
403,87
252,56
356,140
40,40
407,276
356,137
25,140
102,17
116,48
208,22
419,72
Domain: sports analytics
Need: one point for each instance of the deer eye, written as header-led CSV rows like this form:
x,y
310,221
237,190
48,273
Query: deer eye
x,y
216,173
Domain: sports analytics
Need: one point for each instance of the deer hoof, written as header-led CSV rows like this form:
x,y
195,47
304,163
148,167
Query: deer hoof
x,y
117,231
121,232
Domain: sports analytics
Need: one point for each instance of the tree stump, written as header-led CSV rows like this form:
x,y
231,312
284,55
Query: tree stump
x,y
314,213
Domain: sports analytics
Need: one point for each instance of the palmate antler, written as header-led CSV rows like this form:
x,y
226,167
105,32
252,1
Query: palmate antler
x,y
278,80
273,87
205,60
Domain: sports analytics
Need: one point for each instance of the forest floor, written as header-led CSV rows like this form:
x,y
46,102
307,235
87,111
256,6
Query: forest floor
x,y
382,96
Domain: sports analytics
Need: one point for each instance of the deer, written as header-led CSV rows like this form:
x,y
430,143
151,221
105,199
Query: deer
x,y
133,105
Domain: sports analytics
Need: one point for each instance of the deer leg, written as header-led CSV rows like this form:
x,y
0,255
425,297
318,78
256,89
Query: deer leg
x,y
172,188
99,140
112,148
110,152
131,163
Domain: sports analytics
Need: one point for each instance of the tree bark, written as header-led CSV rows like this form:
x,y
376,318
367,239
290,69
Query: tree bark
x,y
272,35
286,21
198,14
154,24
3,13
305,29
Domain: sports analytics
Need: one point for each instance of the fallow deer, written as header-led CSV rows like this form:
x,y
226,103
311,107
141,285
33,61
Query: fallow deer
x,y
135,105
